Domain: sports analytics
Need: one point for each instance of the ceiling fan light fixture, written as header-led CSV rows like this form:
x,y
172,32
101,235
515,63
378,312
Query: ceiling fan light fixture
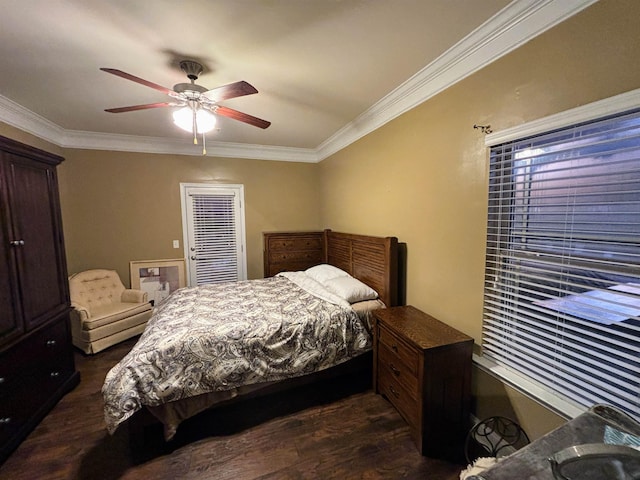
x,y
183,118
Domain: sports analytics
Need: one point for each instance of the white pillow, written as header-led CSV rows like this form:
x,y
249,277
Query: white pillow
x,y
351,289
322,273
367,306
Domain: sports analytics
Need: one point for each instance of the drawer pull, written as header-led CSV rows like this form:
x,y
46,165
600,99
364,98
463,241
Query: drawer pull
x,y
393,390
395,371
5,420
51,343
54,374
1,380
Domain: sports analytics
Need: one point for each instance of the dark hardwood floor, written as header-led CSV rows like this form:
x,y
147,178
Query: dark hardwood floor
x,y
306,434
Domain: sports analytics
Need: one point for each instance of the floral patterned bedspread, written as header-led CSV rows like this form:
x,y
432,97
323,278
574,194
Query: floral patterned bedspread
x,y
218,337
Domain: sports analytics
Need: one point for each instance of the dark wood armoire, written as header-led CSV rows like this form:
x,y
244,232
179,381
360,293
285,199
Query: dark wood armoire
x,y
36,356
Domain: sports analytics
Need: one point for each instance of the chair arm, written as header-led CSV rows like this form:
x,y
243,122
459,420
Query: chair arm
x,y
131,295
83,313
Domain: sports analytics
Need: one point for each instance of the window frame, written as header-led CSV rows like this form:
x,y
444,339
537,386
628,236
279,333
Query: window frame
x,y
603,108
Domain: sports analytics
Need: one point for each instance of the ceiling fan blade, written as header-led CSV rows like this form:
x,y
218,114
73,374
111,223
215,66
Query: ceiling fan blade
x,y
146,83
243,117
233,90
133,108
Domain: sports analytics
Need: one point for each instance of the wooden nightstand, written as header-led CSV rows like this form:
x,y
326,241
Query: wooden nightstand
x,y
423,367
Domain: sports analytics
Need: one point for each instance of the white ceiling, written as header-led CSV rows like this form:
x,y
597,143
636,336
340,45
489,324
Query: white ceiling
x,y
327,71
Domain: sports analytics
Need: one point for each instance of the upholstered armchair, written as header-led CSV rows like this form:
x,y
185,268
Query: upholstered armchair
x,y
104,312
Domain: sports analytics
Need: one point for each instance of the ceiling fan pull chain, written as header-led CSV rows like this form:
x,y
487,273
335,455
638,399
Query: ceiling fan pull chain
x,y
195,127
204,144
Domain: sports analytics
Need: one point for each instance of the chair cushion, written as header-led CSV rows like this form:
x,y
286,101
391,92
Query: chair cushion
x,y
112,312
113,328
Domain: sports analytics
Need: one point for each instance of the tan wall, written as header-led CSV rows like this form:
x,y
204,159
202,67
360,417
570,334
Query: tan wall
x,y
423,177
118,206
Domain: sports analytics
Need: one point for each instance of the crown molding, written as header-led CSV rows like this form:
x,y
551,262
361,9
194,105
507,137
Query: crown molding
x,y
514,25
17,116
130,143
517,23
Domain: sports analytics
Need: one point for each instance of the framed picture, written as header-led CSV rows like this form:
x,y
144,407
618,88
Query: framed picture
x,y
159,278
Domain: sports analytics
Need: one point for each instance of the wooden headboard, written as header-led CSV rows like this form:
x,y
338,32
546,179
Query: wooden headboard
x,y
372,260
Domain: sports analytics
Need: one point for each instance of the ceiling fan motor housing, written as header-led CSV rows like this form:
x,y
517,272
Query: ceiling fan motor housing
x,y
191,68
190,90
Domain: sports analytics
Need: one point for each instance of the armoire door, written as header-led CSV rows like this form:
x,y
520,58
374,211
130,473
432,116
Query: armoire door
x,y
10,321
36,238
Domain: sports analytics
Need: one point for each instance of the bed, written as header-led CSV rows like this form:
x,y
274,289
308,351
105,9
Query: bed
x,y
213,344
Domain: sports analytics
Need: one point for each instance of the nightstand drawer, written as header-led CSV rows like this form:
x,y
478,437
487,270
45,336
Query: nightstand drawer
x,y
287,244
404,352
398,369
404,402
300,256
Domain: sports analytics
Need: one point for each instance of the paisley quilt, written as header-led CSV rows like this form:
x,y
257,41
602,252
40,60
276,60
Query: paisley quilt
x,y
222,336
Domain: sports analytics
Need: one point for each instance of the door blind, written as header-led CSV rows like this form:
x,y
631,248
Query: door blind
x,y
215,239
562,282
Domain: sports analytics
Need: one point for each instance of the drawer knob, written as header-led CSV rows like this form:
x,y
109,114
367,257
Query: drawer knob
x,y
51,343
394,347
393,390
395,371
5,420
1,379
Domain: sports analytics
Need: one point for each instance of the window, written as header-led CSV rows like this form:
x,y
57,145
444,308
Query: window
x,y
562,282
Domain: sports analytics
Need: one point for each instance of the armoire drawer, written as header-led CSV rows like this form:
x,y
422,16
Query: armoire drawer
x,y
43,349
29,392
14,414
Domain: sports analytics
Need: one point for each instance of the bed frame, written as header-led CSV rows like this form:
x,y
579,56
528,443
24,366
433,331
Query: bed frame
x,y
372,260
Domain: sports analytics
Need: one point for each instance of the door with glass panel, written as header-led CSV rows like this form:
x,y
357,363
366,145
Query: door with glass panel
x,y
214,235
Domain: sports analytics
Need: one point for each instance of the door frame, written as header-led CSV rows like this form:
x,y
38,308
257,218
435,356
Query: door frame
x,y
237,189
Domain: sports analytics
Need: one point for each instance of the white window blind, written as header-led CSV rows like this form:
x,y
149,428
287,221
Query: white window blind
x,y
562,284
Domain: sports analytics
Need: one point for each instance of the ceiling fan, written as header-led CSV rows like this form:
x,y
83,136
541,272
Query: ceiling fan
x,y
197,102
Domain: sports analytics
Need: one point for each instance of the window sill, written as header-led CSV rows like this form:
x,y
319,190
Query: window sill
x,y
560,405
